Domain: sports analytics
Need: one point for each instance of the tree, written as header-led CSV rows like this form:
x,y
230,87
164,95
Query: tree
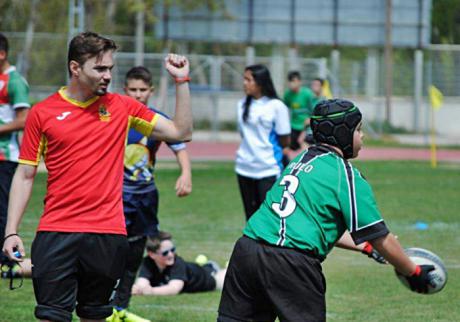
x,y
445,22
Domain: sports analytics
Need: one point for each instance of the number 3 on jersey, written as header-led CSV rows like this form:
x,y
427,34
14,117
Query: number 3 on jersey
x,y
287,204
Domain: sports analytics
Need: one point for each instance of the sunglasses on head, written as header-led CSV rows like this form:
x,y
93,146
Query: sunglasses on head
x,y
9,271
166,252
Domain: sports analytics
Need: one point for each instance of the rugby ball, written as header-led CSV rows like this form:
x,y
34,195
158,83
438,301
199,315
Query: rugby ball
x,y
422,256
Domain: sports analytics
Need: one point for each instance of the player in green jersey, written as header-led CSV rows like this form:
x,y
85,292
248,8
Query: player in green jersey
x,y
14,106
275,268
299,100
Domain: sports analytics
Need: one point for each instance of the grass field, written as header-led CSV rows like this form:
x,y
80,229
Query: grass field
x,y
211,219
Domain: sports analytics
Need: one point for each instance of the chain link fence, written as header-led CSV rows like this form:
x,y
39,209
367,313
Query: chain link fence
x,y
217,80
47,66
443,69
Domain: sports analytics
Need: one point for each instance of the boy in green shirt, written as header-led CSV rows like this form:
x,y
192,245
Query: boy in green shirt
x,y
299,100
275,268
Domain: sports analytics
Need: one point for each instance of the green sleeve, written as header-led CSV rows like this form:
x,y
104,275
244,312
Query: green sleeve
x,y
18,91
286,99
359,209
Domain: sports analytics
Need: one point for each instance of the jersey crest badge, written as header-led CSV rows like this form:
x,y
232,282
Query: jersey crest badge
x,y
104,114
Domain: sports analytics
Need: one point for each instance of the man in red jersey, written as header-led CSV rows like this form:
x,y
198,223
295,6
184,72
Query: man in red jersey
x,y
79,251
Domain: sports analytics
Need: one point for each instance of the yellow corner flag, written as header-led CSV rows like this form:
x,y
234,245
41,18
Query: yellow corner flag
x,y
436,100
436,97
327,89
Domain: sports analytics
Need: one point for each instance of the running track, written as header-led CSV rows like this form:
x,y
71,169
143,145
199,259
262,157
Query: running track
x,y
204,151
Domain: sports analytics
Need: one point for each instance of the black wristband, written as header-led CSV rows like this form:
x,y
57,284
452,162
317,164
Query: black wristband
x,y
8,236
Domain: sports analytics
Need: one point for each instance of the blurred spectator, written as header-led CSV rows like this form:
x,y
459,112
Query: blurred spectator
x,y
263,123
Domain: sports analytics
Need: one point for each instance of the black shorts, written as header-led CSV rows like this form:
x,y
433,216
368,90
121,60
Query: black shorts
x,y
264,282
141,213
294,145
76,269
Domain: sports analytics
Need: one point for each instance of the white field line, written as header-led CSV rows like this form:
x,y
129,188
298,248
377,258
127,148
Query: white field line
x,y
187,307
175,307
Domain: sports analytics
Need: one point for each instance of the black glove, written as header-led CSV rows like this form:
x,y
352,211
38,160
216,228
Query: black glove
x,y
372,253
420,279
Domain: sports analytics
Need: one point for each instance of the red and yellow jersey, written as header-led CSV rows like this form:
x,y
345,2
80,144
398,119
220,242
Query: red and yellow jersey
x,y
83,146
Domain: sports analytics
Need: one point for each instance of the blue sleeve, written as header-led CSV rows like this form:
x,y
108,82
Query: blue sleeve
x,y
134,136
174,146
159,112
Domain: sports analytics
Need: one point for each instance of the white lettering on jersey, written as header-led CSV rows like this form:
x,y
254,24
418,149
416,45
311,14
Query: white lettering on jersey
x,y
63,116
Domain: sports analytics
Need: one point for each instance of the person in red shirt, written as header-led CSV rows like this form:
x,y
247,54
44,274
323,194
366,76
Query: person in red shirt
x,y
79,251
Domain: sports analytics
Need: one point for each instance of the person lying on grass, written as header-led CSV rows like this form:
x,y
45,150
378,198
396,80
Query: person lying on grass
x,y
165,273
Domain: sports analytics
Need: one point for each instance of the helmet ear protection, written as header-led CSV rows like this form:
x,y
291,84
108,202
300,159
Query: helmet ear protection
x,y
334,122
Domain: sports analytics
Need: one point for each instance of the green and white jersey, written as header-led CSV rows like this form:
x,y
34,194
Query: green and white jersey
x,y
14,94
318,196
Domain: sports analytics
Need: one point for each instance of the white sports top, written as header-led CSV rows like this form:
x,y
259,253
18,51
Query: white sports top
x,y
260,153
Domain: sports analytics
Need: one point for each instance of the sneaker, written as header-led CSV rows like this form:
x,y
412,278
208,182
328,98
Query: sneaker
x,y
214,266
114,317
125,316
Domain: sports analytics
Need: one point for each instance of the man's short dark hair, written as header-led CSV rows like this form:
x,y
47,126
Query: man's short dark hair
x,y
3,43
87,45
319,79
293,75
139,72
154,243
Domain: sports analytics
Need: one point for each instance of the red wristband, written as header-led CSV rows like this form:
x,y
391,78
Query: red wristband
x,y
417,271
367,248
180,80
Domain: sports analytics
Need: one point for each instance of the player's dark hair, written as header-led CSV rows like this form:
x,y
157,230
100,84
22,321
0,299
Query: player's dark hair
x,y
293,75
3,43
262,77
139,72
153,243
319,79
87,45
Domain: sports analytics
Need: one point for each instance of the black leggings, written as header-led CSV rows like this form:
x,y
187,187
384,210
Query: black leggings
x,y
253,192
7,170
133,262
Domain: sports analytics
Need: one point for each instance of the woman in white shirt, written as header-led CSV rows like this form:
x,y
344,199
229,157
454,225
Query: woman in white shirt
x,y
263,122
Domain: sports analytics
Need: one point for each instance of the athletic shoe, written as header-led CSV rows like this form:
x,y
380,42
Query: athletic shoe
x,y
125,316
114,317
214,266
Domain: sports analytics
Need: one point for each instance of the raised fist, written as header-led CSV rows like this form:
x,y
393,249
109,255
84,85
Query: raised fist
x,y
177,65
